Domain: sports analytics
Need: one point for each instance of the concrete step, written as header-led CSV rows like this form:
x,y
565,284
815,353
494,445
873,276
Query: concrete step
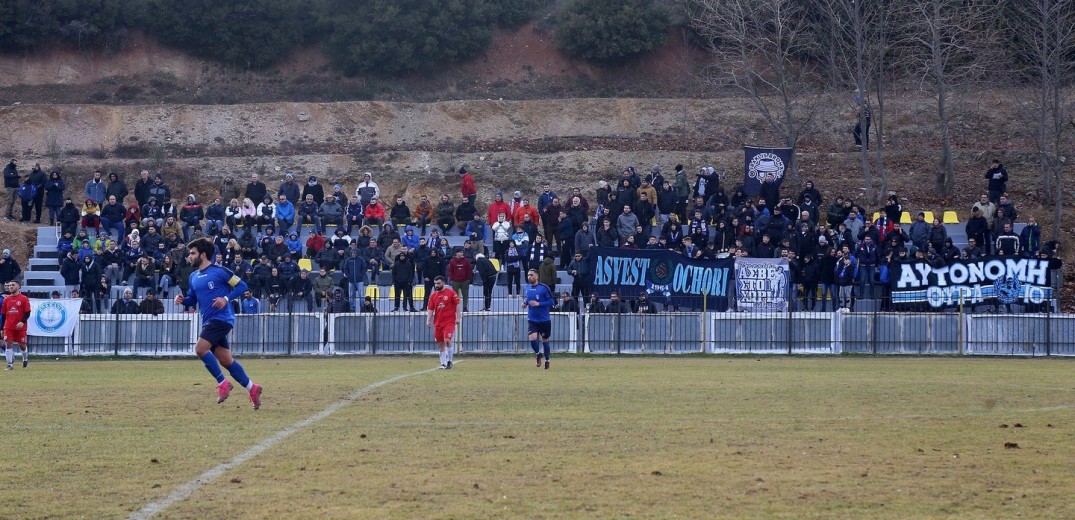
x,y
48,235
46,252
42,278
43,264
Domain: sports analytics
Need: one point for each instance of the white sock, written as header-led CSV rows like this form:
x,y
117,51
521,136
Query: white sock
x,y
449,353
26,355
250,384
10,355
442,360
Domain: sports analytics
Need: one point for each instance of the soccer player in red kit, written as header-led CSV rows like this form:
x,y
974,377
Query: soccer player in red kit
x,y
443,316
16,309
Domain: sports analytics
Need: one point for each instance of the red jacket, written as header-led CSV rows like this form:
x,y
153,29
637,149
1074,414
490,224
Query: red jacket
x,y
460,270
496,208
315,243
527,209
466,185
375,211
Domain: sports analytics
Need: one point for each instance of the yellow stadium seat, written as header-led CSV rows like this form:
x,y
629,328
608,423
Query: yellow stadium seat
x,y
928,216
419,293
305,263
905,218
876,215
373,292
951,217
494,261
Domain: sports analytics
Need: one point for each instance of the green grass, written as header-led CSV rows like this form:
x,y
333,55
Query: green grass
x,y
591,438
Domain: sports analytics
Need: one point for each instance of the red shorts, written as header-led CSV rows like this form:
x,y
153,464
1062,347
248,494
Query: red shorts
x,y
442,333
15,335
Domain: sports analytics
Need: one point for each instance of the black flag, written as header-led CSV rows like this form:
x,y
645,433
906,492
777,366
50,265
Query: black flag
x,y
764,165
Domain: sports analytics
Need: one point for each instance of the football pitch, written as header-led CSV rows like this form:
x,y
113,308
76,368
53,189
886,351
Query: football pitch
x,y
495,437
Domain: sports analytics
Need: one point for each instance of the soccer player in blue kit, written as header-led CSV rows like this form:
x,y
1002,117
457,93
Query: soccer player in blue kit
x,y
212,288
537,302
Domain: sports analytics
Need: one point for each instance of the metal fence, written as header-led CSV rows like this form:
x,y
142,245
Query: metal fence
x,y
823,333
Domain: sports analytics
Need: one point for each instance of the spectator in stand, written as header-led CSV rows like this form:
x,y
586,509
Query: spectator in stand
x,y
550,219
606,236
329,213
255,190
460,272
1030,238
322,286
595,305
973,249
341,198
524,212
367,190
626,224
937,235
487,275
354,215
997,176
445,214
233,214
464,214
306,212
868,257
1000,219
403,270
312,188
9,267
1008,207
300,288
545,198
502,231
987,207
466,185
91,215
423,214
844,275
228,189
355,267
1007,241
191,215
160,191
116,187
513,266
214,216
978,228
151,304
568,228
815,196
141,188
54,195
27,192
96,188
284,213
584,240
665,202
125,305
289,189
616,305
112,216
400,213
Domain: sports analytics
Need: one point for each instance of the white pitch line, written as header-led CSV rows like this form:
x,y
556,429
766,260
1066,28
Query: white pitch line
x,y
189,488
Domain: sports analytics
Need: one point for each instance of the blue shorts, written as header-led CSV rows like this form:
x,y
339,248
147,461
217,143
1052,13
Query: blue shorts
x,y
541,328
216,333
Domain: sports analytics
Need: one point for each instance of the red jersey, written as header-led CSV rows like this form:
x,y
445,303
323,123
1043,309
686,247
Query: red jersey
x,y
15,309
444,303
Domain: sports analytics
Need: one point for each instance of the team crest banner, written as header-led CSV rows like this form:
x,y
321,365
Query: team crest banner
x,y
995,279
56,318
761,284
666,276
761,163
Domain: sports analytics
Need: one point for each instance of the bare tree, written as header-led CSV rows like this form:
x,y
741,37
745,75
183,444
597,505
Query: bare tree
x,y
950,45
856,39
1044,31
756,46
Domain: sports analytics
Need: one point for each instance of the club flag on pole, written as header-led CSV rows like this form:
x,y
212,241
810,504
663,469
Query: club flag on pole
x,y
761,163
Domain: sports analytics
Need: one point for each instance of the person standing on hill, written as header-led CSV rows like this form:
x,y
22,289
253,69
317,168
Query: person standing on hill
x,y
11,184
998,181
466,184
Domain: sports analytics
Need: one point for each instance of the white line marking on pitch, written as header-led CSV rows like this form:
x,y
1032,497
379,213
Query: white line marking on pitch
x,y
189,488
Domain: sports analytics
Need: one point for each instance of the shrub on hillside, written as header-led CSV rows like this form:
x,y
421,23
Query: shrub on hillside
x,y
243,33
513,13
392,36
26,24
610,31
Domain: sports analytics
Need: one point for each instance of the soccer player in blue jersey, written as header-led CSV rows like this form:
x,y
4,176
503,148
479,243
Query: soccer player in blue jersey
x,y
212,287
537,302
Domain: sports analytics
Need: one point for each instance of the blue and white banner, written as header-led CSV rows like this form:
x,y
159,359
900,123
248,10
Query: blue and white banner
x,y
56,318
995,279
665,276
764,165
761,284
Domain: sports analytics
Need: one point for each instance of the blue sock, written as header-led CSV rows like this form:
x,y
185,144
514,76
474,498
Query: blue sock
x,y
238,374
545,345
213,366
534,345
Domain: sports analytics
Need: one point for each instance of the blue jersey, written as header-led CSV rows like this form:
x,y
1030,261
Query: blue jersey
x,y
538,293
209,284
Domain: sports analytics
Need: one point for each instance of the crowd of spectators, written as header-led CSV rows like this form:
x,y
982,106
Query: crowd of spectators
x,y
838,251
